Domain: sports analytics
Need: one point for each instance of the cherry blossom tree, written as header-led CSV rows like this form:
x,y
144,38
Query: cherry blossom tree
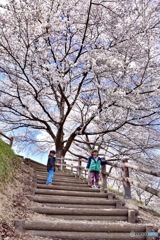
x,y
78,73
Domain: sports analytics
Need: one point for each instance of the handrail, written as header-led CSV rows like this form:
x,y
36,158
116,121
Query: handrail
x,y
9,138
136,184
136,167
81,172
142,169
120,165
125,179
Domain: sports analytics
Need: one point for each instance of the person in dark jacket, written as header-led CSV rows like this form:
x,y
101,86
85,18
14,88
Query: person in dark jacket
x,y
51,167
94,166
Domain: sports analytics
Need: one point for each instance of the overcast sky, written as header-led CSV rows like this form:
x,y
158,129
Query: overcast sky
x,y
3,1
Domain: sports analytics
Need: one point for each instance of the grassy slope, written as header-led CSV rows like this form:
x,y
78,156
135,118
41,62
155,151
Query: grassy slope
x,y
8,162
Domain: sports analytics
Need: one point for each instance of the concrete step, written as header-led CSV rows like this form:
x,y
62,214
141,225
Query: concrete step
x,y
87,230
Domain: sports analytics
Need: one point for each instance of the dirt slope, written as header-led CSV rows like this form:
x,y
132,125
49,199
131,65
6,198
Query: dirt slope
x,y
14,205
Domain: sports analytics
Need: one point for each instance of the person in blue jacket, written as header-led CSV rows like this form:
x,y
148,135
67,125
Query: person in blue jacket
x,y
51,167
94,166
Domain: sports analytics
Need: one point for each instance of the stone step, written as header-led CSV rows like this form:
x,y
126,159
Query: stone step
x,y
74,193
86,230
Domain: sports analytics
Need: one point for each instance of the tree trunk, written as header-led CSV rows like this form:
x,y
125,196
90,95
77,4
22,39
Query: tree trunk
x,y
59,153
59,144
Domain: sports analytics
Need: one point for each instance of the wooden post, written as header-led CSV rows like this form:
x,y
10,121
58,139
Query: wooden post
x,y
126,185
79,167
61,164
103,176
19,225
85,174
71,167
119,204
11,142
89,178
131,216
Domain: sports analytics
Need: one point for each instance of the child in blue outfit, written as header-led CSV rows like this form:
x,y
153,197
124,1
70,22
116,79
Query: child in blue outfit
x,y
51,167
94,166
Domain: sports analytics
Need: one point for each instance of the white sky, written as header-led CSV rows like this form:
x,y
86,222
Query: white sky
x,y
3,1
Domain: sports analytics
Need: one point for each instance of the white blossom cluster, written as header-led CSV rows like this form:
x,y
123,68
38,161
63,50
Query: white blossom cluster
x,y
75,70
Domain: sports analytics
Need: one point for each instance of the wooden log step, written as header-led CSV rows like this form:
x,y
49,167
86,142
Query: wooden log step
x,y
40,171
64,183
82,226
90,218
76,181
79,206
83,184
79,230
59,174
39,168
73,193
66,179
36,164
83,235
68,188
81,211
69,178
74,200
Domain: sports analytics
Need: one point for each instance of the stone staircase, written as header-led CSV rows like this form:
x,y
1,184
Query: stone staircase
x,y
80,212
